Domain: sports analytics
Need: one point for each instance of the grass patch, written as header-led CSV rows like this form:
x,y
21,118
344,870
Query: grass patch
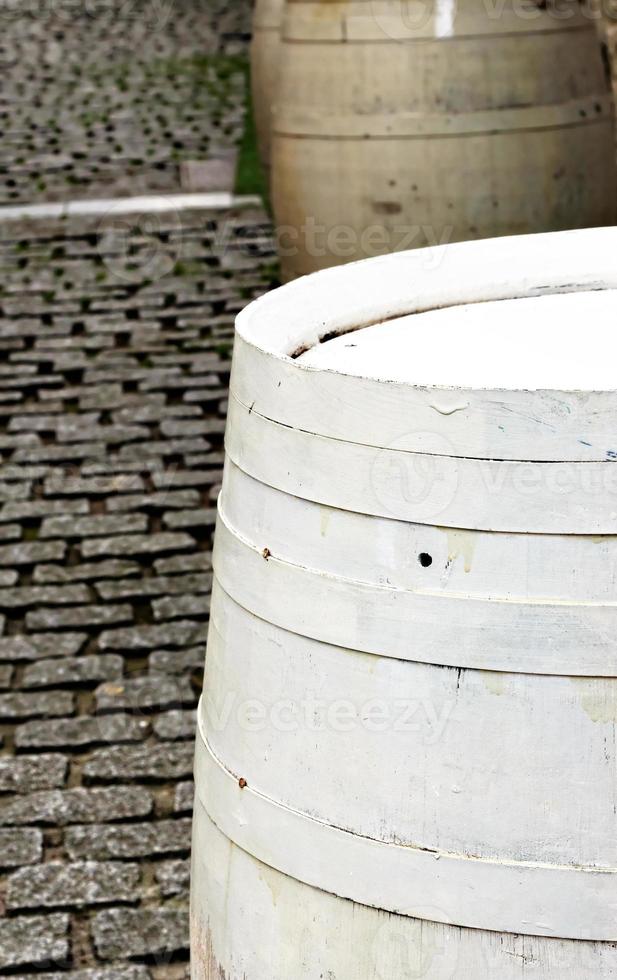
x,y
221,76
251,178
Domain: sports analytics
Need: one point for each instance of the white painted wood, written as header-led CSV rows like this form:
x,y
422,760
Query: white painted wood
x,y
563,568
536,899
380,289
538,426
494,423
489,495
462,761
529,343
251,921
489,809
550,637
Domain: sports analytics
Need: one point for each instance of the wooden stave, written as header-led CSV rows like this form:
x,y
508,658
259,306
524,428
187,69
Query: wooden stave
x,y
455,492
265,48
307,176
385,21
513,897
500,636
238,902
451,761
386,553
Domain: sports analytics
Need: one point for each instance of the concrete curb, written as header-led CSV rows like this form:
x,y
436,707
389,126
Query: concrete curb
x,y
155,203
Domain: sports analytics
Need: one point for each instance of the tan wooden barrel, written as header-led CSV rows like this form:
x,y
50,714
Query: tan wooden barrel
x,y
405,123
407,739
265,48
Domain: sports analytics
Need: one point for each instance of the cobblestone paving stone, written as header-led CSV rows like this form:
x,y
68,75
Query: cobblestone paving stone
x,y
112,97
112,414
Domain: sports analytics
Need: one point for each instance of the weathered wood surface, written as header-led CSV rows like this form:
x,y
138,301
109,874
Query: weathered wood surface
x,y
467,762
264,69
509,634
411,678
456,492
512,422
446,119
502,896
390,554
244,902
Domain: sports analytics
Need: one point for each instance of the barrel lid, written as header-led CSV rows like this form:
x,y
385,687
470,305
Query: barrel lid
x,y
563,341
494,350
542,308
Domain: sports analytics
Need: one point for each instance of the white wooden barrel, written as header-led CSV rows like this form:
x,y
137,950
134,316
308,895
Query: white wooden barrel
x,y
265,47
405,123
407,739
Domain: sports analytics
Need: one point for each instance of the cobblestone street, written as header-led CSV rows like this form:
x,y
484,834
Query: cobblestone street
x,y
116,336
106,97
112,403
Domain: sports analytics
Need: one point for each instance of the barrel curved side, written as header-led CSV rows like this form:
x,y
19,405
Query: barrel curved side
x,y
250,922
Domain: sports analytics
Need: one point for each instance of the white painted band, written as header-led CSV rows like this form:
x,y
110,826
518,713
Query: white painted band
x,y
532,899
541,426
515,424
487,495
237,901
502,766
577,639
564,569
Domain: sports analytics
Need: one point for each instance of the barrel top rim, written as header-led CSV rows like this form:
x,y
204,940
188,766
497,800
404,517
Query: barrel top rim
x,y
295,319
